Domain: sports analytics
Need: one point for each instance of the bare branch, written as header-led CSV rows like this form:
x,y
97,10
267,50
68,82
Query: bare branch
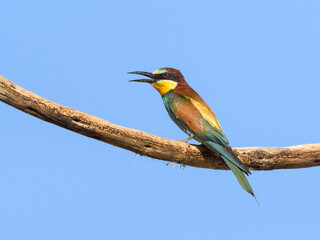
x,y
256,158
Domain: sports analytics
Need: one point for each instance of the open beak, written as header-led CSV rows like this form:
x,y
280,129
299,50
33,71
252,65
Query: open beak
x,y
147,74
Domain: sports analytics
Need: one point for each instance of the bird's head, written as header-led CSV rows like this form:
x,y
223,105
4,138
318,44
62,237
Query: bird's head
x,y
162,79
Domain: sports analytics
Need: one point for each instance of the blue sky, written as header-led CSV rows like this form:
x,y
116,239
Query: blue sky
x,y
256,63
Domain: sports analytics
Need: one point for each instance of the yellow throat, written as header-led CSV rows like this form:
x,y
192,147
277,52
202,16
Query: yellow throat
x,y
164,86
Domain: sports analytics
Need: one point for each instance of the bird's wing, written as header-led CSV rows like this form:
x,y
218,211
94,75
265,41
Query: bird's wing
x,y
200,120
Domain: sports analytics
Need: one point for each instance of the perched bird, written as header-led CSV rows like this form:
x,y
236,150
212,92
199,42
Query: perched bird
x,y
193,116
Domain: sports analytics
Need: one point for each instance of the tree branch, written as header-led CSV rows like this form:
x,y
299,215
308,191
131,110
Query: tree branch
x,y
256,158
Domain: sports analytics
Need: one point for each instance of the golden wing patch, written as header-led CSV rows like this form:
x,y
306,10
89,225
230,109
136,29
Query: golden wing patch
x,y
206,113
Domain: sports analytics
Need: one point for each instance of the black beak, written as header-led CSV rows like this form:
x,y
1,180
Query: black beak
x,y
147,74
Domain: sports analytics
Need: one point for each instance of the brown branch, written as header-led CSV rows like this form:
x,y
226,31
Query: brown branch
x,y
257,158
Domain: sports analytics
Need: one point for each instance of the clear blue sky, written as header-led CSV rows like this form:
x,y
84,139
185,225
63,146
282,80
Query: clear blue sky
x,y
256,63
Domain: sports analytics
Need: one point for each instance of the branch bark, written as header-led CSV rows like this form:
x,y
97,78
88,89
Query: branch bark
x,y
256,158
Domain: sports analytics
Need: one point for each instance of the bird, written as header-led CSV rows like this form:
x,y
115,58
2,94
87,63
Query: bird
x,y
194,117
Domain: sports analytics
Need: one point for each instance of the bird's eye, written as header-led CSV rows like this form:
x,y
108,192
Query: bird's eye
x,y
165,75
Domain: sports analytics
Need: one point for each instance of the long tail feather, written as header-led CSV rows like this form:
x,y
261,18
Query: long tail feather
x,y
242,179
227,152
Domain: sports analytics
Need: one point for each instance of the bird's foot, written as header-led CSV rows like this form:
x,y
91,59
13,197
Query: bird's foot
x,y
188,139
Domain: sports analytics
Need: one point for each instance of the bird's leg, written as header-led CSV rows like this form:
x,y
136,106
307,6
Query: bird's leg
x,y
188,139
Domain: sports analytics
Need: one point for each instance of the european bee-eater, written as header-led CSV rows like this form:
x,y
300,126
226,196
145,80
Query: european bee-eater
x,y
193,116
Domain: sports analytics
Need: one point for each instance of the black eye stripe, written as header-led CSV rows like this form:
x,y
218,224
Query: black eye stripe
x,y
170,76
